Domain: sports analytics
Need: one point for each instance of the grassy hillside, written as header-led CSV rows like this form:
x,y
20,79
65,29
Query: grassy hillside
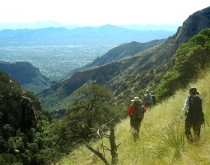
x,y
162,139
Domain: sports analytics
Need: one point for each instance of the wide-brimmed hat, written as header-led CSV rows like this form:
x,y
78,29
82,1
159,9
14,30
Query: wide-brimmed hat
x,y
147,91
136,100
193,90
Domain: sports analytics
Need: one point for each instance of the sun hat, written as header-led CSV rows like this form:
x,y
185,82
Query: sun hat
x,y
193,90
136,100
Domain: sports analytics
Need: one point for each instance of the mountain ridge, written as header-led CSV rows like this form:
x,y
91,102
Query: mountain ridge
x,y
118,52
26,74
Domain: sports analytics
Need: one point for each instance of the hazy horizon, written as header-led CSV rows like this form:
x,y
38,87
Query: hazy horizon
x,y
96,13
55,24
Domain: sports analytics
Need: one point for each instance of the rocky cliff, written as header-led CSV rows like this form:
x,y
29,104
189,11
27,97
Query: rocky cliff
x,y
18,113
18,109
193,25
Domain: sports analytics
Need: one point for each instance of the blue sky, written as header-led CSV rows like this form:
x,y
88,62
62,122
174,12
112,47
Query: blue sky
x,y
99,12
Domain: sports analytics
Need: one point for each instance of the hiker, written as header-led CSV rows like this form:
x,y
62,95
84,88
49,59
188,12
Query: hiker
x,y
153,97
194,115
147,99
136,112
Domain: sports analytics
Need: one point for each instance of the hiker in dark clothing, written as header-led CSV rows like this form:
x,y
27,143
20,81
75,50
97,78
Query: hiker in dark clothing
x,y
194,115
136,112
147,99
153,97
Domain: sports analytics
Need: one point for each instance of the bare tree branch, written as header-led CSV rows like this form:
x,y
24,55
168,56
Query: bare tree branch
x,y
106,148
100,155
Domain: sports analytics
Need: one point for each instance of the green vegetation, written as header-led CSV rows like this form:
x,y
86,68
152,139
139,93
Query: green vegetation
x,y
191,59
45,140
22,137
91,109
162,134
8,86
162,140
30,136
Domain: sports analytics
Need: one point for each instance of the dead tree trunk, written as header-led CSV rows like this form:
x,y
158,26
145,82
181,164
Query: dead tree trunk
x,y
113,146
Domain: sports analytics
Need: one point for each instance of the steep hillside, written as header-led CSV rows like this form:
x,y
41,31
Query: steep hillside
x,y
123,50
162,139
131,75
27,75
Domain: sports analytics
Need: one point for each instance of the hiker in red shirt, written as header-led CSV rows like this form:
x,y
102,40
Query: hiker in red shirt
x,y
136,112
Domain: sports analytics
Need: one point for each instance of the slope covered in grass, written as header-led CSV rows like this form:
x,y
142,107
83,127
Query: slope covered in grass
x,y
162,139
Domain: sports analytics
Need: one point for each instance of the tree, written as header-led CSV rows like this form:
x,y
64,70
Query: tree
x,y
91,108
190,59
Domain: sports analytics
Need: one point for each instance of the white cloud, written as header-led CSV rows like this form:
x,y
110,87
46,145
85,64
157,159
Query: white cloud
x,y
100,11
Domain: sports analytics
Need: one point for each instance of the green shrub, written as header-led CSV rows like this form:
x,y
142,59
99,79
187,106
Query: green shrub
x,y
33,147
8,158
2,160
190,59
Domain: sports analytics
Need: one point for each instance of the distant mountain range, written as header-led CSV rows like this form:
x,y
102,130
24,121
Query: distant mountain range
x,y
54,24
129,75
107,34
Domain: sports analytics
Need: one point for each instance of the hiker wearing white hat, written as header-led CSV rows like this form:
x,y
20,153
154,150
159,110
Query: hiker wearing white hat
x,y
136,112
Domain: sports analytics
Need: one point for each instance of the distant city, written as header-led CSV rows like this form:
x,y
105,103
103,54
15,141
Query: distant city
x,y
54,61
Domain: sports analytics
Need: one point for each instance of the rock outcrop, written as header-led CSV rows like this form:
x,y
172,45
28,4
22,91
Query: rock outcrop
x,y
17,113
193,25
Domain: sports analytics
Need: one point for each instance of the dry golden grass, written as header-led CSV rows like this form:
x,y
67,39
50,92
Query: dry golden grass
x,y
162,140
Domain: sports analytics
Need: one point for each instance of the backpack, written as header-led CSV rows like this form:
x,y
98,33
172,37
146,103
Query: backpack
x,y
147,98
195,112
153,99
139,112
